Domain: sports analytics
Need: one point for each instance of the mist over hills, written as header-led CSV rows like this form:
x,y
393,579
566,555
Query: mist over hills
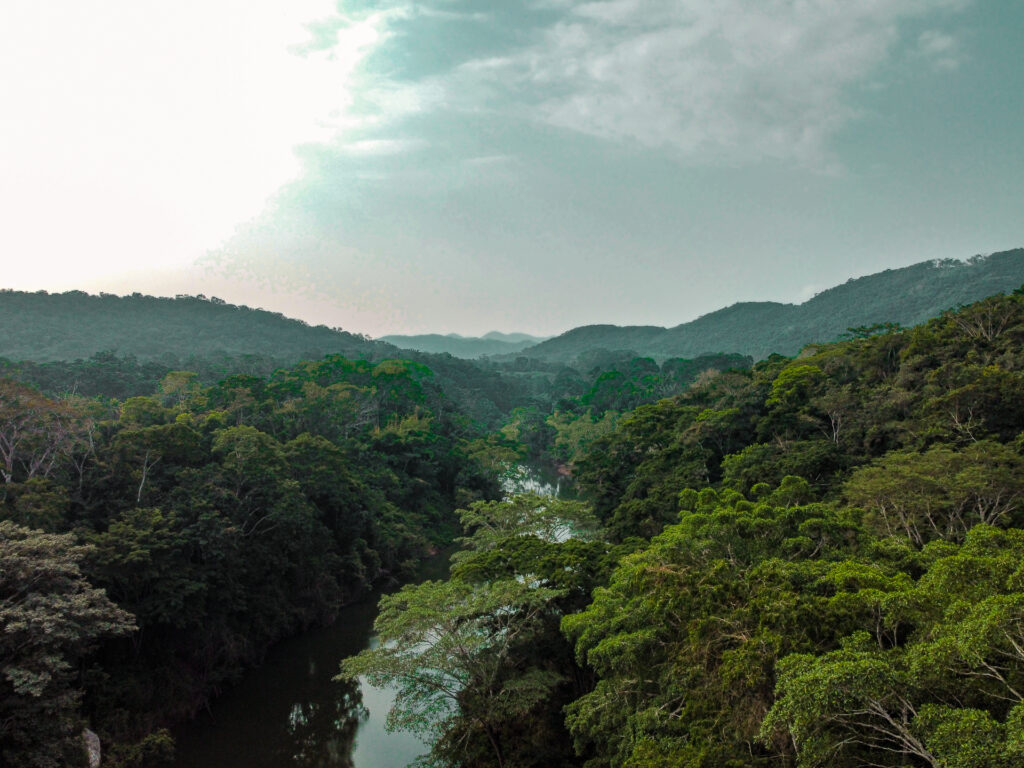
x,y
513,337
906,296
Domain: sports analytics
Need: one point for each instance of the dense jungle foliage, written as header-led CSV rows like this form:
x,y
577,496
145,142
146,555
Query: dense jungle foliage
x,y
571,407
811,561
481,393
153,547
818,561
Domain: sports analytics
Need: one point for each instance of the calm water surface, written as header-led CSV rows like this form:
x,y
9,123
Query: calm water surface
x,y
288,713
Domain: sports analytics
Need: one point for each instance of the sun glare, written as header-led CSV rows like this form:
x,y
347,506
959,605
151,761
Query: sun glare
x,y
159,162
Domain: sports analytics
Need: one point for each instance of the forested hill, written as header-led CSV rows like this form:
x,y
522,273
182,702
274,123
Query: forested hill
x,y
153,548
67,326
907,296
493,343
124,346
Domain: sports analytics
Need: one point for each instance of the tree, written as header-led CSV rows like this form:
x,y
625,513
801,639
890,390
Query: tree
x,y
178,387
479,660
35,432
934,677
493,524
50,616
940,493
858,699
446,645
684,637
574,433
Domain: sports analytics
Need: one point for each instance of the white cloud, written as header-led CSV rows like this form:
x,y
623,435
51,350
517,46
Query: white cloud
x,y
382,146
808,292
729,81
941,49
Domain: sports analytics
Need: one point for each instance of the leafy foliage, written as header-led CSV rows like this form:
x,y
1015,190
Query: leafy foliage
x,y
50,617
479,661
836,560
223,518
807,562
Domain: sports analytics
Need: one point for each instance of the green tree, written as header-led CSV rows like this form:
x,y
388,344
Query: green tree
x,y
941,493
50,617
574,433
36,433
445,645
934,677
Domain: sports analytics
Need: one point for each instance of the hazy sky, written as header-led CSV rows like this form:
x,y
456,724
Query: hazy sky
x,y
524,165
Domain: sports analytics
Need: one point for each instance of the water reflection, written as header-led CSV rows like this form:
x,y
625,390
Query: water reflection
x,y
278,717
290,713
540,479
322,733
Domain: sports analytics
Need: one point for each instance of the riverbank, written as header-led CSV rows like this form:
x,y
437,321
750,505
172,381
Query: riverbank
x,y
290,712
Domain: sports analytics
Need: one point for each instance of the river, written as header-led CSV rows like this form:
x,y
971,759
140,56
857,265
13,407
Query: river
x,y
289,713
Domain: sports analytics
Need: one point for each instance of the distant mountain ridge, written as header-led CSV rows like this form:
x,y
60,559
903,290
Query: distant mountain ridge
x,y
907,296
493,343
514,337
74,325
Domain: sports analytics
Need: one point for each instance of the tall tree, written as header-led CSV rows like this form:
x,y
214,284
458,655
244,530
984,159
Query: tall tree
x,y
446,646
50,616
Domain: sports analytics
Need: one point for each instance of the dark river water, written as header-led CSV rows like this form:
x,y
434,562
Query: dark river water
x,y
288,713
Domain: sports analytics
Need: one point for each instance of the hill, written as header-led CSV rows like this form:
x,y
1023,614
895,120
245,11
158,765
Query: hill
x,y
123,345
908,296
67,326
494,343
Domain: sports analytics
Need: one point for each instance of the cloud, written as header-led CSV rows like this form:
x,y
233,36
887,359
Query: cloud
x,y
726,81
383,146
941,49
458,156
716,81
490,160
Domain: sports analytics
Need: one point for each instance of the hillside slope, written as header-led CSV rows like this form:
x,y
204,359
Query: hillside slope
x,y
74,342
67,326
907,296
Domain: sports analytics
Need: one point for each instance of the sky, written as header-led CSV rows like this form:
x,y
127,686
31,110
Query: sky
x,y
522,165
